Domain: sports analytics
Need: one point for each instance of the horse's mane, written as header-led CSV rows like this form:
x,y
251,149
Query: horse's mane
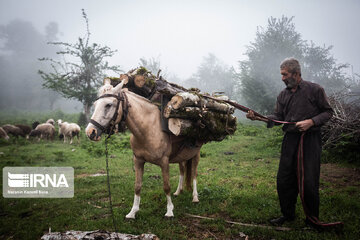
x,y
107,88
138,96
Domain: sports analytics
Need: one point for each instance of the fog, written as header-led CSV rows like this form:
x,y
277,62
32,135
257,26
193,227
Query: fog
x,y
181,33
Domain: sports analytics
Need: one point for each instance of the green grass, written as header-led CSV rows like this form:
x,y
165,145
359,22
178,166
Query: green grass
x,y
236,182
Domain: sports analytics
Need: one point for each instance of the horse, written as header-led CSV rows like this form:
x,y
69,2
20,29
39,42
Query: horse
x,y
149,142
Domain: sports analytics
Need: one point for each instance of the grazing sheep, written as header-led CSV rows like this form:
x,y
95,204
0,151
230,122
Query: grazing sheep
x,y
35,124
35,133
3,134
44,131
13,130
69,130
26,129
51,121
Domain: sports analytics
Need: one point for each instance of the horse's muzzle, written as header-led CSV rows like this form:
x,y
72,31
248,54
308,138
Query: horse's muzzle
x,y
93,133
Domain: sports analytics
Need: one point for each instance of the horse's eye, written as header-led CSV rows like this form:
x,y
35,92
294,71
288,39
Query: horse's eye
x,y
108,105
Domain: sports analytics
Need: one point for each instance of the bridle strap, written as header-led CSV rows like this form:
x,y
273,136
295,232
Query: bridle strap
x,y
121,97
125,107
98,125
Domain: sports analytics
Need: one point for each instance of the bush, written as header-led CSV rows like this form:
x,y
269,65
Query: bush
x,y
345,150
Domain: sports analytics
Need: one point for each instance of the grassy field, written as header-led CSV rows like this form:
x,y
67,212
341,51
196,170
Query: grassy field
x,y
236,182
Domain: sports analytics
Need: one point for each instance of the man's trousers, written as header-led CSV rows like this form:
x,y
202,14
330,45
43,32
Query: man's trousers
x,y
287,182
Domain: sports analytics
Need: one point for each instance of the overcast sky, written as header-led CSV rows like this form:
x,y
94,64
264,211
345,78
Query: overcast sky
x,y
182,32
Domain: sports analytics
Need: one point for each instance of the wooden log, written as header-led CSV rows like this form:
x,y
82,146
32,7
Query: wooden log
x,y
144,85
219,125
186,99
218,106
243,224
139,80
93,235
186,112
203,125
168,89
181,127
190,129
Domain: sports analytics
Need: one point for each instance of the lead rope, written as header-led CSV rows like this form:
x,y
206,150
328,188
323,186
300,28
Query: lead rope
x,y
108,179
300,175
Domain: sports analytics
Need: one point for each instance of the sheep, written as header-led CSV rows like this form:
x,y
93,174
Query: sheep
x,y
68,130
13,130
3,134
51,121
35,124
44,131
35,133
26,129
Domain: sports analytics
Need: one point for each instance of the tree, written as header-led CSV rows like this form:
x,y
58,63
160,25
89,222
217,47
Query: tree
x,y
20,85
259,80
79,80
213,76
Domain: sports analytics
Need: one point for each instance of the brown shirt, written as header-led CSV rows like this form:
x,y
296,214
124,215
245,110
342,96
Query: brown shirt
x,y
309,101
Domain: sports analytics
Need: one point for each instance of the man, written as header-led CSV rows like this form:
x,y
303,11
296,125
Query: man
x,y
305,105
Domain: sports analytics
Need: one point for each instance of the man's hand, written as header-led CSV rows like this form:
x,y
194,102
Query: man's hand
x,y
304,125
251,115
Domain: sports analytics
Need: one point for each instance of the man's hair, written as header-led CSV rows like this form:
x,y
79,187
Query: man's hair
x,y
291,64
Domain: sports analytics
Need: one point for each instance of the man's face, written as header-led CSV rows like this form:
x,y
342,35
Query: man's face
x,y
288,78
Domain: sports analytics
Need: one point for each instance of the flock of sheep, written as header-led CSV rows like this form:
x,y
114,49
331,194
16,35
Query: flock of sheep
x,y
42,130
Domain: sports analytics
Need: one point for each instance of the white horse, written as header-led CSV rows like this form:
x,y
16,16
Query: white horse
x,y
148,142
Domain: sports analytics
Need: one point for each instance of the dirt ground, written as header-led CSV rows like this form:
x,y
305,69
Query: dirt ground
x,y
340,176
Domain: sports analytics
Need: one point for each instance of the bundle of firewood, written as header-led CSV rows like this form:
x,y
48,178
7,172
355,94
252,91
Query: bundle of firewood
x,y
345,123
189,113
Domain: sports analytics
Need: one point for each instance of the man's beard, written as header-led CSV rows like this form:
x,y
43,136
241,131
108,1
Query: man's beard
x,y
290,82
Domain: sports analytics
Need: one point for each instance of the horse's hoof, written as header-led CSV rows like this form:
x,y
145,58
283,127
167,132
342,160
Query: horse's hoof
x,y
169,217
129,218
195,200
178,192
169,214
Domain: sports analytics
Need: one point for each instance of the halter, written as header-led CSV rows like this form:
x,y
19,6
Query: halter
x,y
121,97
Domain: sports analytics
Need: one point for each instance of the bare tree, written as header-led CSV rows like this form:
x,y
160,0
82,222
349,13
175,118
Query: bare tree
x,y
342,132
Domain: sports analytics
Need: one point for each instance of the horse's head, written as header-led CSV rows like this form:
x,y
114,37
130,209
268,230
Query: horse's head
x,y
108,111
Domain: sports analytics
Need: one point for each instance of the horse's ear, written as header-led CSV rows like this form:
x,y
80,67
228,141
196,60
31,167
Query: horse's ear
x,y
106,87
124,79
119,86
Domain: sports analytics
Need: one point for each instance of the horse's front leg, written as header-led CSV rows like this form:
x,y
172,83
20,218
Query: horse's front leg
x,y
165,175
139,171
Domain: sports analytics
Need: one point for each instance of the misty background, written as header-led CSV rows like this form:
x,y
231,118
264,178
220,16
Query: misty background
x,y
195,43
